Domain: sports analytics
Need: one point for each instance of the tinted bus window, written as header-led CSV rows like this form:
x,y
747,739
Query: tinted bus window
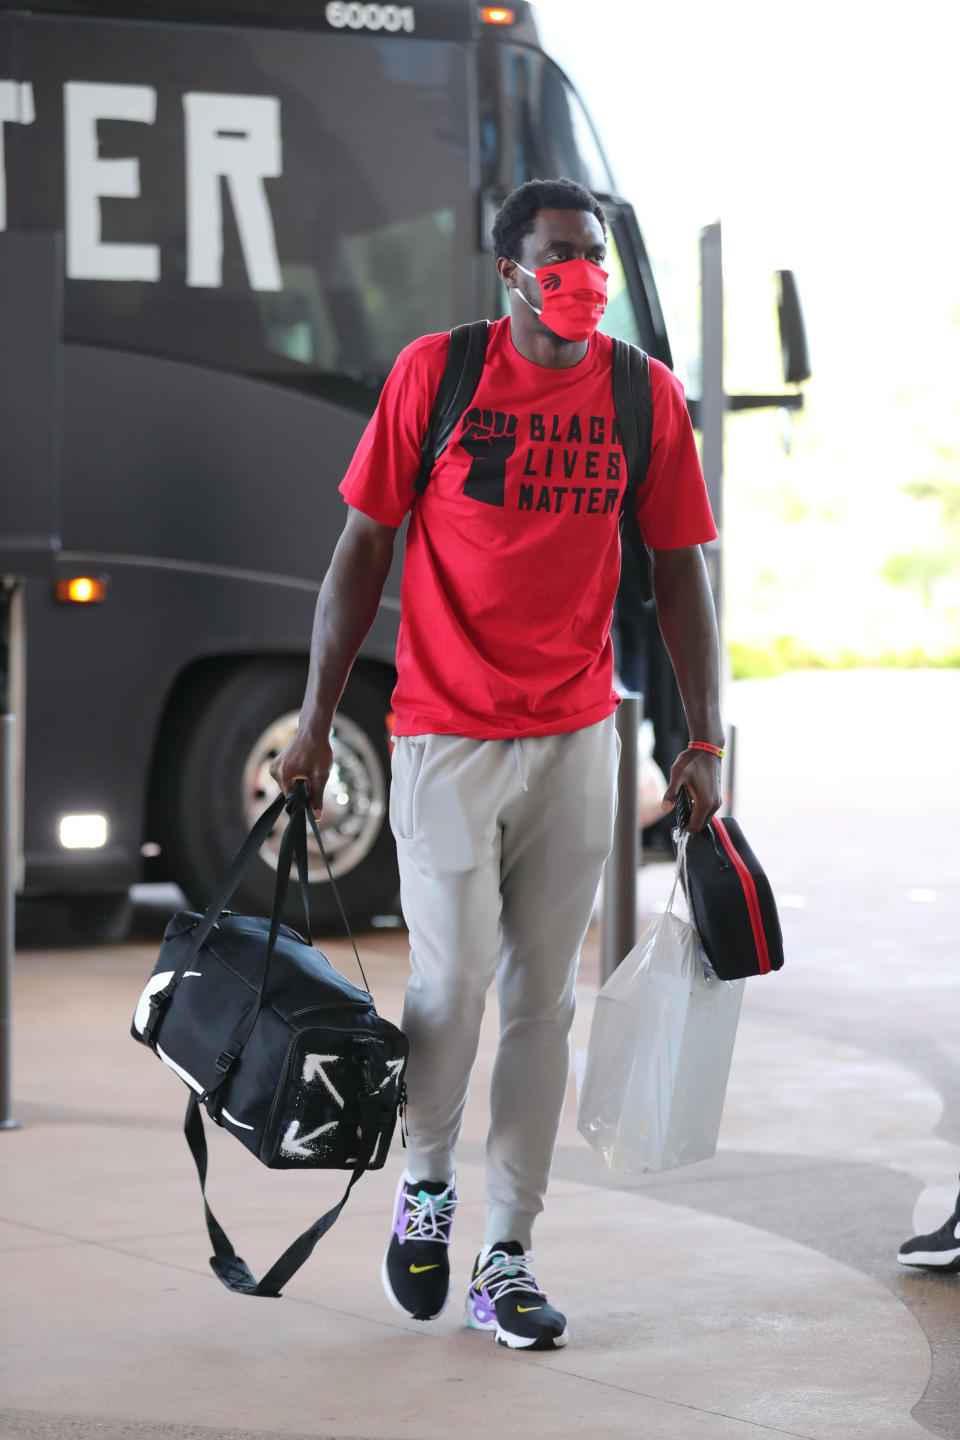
x,y
294,206
533,124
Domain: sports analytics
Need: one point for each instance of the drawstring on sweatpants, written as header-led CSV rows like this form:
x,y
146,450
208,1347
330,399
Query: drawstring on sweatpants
x,y
521,761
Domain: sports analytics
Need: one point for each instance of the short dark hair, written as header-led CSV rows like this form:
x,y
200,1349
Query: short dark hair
x,y
516,217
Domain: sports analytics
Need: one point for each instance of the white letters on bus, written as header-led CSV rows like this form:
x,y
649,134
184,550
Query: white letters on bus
x,y
88,178
16,108
354,15
236,138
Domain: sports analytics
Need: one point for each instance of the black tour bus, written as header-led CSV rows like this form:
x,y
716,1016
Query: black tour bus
x,y
221,220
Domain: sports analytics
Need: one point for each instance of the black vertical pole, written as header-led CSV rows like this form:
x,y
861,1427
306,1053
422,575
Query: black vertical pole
x,y
31,304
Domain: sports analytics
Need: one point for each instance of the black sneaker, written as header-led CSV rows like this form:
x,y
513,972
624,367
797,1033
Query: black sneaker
x,y
416,1267
939,1251
504,1296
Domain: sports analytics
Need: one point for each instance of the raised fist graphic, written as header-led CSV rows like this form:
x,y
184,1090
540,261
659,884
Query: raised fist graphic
x,y
490,436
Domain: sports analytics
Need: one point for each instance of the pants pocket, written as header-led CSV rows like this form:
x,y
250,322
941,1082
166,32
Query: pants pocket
x,y
598,762
405,765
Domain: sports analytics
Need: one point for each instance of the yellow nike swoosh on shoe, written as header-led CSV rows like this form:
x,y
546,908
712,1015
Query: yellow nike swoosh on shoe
x,y
419,1269
525,1309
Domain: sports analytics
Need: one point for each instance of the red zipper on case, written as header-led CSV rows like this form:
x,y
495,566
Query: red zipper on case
x,y
750,892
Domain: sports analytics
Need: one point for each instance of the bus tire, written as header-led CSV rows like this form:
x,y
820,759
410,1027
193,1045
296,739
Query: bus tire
x,y
215,779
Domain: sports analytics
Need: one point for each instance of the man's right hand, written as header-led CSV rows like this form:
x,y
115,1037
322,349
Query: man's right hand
x,y
307,757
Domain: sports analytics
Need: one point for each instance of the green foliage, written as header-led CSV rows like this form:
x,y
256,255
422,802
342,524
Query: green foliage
x,y
945,492
787,652
918,569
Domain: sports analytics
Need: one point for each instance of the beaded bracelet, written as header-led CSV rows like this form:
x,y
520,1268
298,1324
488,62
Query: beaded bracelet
x,y
710,749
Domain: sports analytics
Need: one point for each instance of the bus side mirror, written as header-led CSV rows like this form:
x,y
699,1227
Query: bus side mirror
x,y
793,332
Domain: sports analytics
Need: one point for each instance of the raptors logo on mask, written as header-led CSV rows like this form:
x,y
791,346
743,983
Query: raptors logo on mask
x,y
574,297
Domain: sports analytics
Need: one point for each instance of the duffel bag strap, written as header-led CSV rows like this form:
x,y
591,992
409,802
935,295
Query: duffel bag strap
x,y
225,1262
249,848
293,844
247,851
297,805
299,796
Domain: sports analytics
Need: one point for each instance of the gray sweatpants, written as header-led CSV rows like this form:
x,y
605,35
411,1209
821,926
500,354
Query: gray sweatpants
x,y
501,844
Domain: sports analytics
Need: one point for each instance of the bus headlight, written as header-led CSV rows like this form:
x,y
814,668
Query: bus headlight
x,y
83,832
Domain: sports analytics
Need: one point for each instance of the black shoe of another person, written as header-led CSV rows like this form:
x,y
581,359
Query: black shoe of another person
x,y
504,1296
939,1251
416,1267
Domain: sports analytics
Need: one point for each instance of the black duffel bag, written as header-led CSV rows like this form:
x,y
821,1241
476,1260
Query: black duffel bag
x,y
278,1047
730,898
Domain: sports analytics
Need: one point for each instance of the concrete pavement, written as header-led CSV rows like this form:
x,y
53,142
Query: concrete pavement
x,y
757,1294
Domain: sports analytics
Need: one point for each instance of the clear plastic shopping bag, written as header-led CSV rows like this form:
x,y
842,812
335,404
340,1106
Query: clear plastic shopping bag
x,y
659,1053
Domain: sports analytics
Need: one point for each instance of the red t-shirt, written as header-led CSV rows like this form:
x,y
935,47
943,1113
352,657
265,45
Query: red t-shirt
x,y
513,550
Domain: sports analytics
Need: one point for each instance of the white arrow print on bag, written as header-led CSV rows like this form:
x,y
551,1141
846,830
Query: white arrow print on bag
x,y
313,1067
393,1073
296,1144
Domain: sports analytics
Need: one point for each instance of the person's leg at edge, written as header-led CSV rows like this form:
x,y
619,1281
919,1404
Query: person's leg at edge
x,y
940,1250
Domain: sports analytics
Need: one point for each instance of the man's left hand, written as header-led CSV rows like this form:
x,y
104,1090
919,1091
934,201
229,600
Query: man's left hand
x,y
700,773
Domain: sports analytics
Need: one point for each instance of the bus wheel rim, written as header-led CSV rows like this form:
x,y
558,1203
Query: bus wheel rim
x,y
354,801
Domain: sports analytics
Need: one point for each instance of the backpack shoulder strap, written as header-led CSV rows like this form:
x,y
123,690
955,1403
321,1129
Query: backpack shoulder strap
x,y
634,408
633,404
461,376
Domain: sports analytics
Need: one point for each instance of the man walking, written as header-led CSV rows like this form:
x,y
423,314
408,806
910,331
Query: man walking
x,y
505,756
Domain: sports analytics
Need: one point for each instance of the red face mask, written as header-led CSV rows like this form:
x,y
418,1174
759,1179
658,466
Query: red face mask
x,y
574,297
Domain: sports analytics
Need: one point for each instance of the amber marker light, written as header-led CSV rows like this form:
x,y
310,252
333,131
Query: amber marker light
x,y
494,15
81,590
